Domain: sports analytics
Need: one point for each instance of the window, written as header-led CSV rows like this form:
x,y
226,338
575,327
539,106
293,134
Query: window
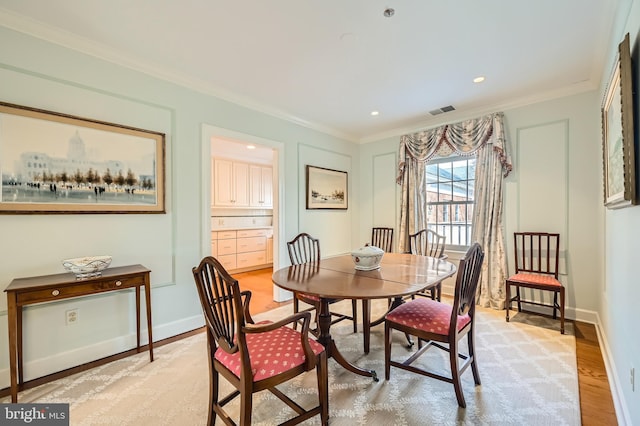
x,y
450,197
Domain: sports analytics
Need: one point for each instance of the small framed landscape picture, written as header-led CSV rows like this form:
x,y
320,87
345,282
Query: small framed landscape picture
x,y
326,189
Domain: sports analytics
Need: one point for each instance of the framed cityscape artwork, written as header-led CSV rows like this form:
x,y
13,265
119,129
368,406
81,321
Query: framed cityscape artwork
x,y
54,163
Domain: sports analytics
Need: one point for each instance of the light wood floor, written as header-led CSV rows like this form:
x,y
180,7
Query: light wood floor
x,y
596,404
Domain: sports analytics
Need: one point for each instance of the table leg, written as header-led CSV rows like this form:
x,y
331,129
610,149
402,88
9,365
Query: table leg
x,y
138,290
324,324
13,344
147,293
397,301
366,323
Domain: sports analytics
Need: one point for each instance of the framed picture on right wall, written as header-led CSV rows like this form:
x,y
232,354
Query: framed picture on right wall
x,y
618,135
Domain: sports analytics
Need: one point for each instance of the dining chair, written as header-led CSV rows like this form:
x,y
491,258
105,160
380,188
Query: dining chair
x,y
382,238
436,323
254,357
536,261
427,242
306,249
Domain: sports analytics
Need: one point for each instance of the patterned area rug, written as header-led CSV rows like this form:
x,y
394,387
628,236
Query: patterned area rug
x,y
528,374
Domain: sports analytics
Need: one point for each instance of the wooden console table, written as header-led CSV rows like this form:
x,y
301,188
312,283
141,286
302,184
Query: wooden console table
x,y
48,288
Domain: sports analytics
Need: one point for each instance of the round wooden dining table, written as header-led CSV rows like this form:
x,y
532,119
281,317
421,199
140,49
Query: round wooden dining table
x,y
399,275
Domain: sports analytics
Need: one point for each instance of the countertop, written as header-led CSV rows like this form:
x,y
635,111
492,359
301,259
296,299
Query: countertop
x,y
239,228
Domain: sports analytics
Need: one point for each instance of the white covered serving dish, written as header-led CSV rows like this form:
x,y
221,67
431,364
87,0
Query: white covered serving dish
x,y
367,258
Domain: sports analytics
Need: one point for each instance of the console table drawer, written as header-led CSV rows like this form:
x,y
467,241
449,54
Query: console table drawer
x,y
90,287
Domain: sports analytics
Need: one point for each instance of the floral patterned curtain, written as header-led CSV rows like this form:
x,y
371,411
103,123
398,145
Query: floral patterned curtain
x,y
484,138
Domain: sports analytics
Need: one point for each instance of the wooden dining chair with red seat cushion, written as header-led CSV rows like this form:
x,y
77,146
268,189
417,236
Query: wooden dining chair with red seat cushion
x,y
427,242
254,357
306,249
537,257
437,323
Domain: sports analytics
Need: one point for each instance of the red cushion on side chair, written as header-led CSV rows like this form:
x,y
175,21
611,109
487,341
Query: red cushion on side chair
x,y
427,315
535,279
271,353
309,296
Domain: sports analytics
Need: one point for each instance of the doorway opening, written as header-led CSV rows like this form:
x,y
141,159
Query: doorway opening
x,y
266,222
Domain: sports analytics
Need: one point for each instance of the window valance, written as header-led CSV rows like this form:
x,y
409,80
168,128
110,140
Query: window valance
x,y
463,138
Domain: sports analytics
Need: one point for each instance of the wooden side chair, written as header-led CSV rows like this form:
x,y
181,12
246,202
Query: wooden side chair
x,y
427,242
536,261
251,356
306,249
436,323
382,238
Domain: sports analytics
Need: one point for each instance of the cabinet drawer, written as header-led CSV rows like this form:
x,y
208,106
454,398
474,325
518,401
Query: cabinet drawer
x,y
214,235
245,233
228,261
251,244
92,286
226,235
214,248
251,259
226,247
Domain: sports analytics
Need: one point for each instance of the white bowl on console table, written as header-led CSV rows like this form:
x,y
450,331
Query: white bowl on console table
x,y
88,266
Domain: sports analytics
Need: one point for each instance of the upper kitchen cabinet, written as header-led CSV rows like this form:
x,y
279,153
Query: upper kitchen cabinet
x,y
260,186
230,183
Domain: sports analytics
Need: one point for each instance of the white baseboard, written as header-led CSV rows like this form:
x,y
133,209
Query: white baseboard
x,y
622,413
41,367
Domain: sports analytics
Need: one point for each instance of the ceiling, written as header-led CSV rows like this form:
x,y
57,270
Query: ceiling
x,y
328,64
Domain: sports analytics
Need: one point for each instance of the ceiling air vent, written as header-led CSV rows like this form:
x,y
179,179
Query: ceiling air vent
x,y
441,110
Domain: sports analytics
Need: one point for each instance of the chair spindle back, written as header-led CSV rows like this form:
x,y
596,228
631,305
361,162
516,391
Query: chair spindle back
x,y
427,242
467,281
537,252
382,238
221,301
304,249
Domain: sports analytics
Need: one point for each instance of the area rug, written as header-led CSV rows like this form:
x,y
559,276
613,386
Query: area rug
x,y
528,374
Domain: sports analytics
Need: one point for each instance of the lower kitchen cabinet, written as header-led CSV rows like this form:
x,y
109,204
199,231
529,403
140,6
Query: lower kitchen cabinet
x,y
243,249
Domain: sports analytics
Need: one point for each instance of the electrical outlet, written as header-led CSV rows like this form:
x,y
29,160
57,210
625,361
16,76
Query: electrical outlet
x,y
632,379
71,316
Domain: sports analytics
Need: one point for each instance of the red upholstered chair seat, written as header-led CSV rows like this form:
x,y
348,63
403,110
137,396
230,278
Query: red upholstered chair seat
x,y
271,353
309,297
543,279
426,315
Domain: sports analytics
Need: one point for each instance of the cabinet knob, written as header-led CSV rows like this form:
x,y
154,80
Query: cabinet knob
x,y
118,283
55,292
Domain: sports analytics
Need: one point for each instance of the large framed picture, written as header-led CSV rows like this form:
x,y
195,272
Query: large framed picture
x,y
56,163
326,189
618,135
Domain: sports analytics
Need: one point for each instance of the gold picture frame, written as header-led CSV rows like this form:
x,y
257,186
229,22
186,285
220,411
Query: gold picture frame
x,y
54,163
618,134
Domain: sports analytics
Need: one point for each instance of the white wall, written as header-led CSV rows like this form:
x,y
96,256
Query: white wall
x,y
620,290
38,74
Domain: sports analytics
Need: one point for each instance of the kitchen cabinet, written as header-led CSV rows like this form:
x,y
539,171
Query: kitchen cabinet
x,y
260,186
230,183
226,246
242,249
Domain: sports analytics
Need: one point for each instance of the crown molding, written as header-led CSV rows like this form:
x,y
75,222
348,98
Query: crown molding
x,y
74,42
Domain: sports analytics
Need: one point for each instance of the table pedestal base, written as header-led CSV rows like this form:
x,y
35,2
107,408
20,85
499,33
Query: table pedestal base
x,y
324,324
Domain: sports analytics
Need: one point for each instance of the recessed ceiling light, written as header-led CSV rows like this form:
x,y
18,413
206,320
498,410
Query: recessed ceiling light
x,y
389,12
251,147
478,79
375,113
